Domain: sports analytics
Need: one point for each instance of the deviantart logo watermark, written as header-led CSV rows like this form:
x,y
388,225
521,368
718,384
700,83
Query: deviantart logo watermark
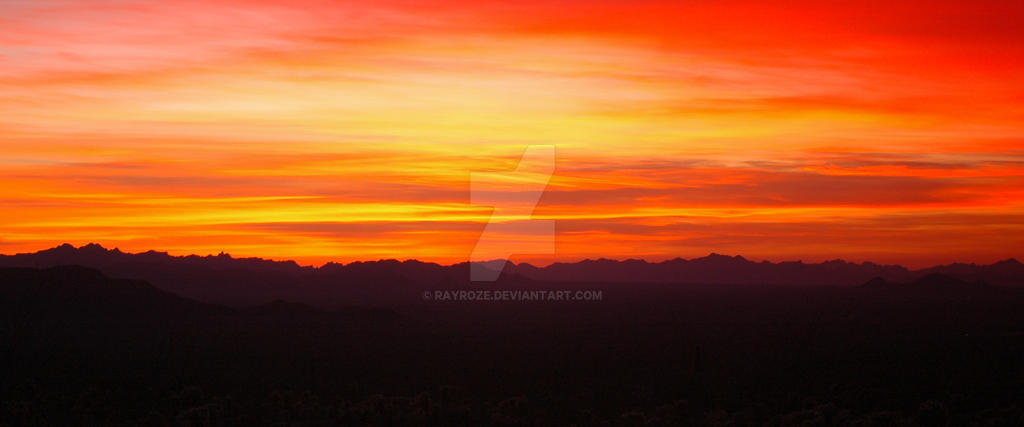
x,y
511,229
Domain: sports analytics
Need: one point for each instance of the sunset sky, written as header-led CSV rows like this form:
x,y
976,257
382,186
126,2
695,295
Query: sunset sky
x,y
890,131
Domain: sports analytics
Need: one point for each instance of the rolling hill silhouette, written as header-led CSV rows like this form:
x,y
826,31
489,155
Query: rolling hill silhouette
x,y
75,290
935,285
72,291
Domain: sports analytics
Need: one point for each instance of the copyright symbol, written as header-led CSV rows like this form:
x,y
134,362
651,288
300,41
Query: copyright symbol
x,y
426,295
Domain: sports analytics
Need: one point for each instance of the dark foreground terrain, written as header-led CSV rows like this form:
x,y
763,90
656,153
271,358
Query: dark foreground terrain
x,y
79,348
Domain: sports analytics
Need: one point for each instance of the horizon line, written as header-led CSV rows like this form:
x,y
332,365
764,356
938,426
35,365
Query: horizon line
x,y
292,261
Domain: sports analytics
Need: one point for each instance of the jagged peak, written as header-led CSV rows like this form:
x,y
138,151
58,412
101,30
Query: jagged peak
x,y
714,256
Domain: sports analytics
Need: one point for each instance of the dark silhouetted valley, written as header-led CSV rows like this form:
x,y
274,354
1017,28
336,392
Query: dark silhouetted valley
x,y
92,336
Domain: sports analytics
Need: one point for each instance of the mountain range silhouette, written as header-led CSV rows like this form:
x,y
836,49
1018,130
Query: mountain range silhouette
x,y
248,281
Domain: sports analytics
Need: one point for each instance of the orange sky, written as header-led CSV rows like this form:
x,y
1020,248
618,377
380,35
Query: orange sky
x,y
334,130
